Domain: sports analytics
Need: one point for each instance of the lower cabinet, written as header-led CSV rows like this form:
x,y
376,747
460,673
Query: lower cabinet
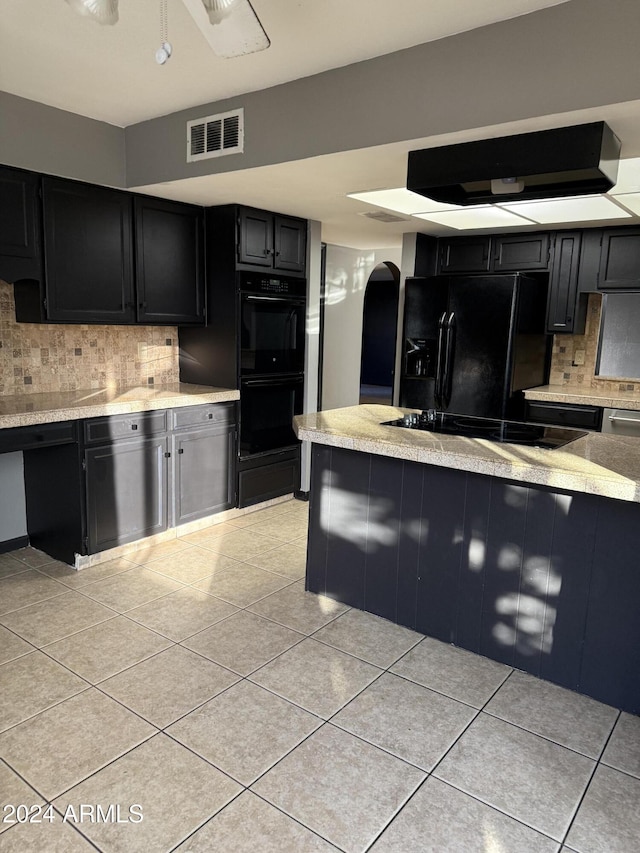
x,y
150,471
125,476
127,487
203,465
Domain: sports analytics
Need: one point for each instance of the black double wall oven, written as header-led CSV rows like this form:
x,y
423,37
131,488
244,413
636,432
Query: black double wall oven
x,y
271,338
254,340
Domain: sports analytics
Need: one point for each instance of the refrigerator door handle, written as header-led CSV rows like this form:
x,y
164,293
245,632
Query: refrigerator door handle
x,y
437,391
450,327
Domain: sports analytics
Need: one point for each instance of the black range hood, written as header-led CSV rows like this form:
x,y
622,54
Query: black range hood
x,y
565,161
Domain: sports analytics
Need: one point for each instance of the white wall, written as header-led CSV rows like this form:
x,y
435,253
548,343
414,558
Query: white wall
x,y
312,350
347,273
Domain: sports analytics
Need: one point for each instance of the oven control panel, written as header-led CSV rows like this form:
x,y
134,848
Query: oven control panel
x,y
272,285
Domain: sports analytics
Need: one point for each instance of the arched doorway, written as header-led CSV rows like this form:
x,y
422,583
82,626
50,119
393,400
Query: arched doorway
x,y
379,327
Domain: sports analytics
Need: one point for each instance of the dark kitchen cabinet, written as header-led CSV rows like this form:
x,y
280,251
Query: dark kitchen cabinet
x,y
271,241
88,246
495,253
148,471
169,240
620,259
108,257
127,489
564,311
564,414
126,460
520,252
20,226
203,451
465,254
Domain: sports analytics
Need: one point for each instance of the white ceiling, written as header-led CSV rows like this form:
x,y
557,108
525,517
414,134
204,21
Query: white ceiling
x,y
51,55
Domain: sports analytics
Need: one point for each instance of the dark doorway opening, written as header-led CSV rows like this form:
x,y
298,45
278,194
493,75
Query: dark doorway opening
x,y
379,329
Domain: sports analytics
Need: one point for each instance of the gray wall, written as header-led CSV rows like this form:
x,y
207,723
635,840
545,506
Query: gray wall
x,y
574,56
579,55
56,142
13,514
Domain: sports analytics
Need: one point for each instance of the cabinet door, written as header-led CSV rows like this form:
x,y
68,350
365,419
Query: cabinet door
x,y
563,283
169,262
88,253
20,244
204,462
290,242
620,259
126,491
256,237
465,254
516,252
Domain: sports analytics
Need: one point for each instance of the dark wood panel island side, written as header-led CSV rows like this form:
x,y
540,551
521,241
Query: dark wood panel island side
x,y
518,554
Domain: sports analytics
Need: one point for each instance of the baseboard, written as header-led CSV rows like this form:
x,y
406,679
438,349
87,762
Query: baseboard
x,y
14,544
300,495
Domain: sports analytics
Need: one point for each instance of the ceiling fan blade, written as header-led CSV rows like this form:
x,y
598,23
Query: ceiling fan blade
x,y
238,33
102,11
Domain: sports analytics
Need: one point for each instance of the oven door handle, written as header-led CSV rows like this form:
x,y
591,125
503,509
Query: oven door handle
x,y
289,299
273,383
624,420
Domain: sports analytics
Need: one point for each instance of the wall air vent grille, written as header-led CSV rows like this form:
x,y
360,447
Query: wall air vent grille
x,y
381,216
215,136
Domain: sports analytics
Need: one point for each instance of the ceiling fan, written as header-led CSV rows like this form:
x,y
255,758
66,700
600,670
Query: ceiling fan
x,y
231,27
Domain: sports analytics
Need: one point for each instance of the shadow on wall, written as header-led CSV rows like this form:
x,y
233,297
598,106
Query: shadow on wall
x,y
346,277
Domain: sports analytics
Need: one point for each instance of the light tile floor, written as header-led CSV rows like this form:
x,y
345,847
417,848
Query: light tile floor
x,y
198,685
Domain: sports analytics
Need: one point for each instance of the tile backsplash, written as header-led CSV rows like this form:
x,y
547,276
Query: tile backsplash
x,y
40,357
564,370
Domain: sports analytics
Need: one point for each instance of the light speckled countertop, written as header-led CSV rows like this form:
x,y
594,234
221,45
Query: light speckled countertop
x,y
596,464
28,409
581,396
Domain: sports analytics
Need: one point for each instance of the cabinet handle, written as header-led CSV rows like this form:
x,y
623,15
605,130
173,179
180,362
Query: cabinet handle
x,y
181,450
210,415
167,455
134,426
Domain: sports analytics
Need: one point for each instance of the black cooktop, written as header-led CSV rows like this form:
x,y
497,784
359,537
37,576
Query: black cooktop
x,y
492,429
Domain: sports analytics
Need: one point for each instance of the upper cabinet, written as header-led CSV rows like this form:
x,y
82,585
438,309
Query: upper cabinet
x,y
169,241
520,252
619,259
271,241
20,230
565,312
465,254
108,257
88,248
498,253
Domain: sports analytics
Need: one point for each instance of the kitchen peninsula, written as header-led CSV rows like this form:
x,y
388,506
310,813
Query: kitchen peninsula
x,y
525,555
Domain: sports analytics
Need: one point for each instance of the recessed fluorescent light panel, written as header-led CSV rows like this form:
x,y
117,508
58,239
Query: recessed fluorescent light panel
x,y
485,216
573,209
401,200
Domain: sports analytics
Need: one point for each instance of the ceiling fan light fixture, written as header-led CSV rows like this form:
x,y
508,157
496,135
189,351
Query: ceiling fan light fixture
x,y
102,11
218,10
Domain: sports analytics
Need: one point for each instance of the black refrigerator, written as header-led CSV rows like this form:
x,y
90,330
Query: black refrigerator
x,y
473,343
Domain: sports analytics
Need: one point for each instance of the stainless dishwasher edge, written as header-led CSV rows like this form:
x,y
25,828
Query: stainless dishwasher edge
x,y
621,422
